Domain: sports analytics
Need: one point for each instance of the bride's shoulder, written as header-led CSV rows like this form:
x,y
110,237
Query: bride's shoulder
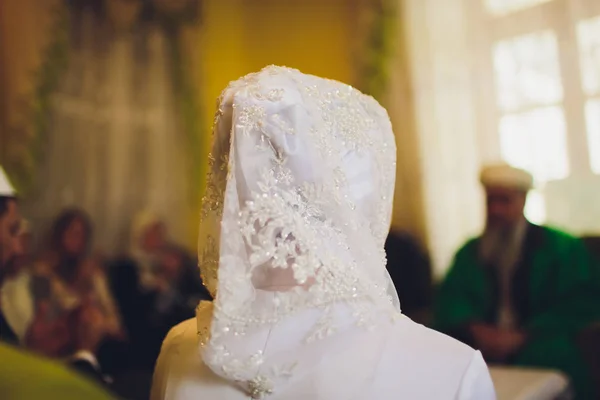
x,y
187,331
181,332
457,367
432,343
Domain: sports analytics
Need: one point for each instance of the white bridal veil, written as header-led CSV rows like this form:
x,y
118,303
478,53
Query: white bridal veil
x,y
293,224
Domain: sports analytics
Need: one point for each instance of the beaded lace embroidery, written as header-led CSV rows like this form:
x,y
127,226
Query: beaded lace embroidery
x,y
291,218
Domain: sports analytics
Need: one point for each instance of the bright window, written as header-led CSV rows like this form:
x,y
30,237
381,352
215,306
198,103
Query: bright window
x,y
527,71
588,36
592,114
532,126
536,141
535,209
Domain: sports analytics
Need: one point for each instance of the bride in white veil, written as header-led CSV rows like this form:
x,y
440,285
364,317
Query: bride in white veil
x,y
293,224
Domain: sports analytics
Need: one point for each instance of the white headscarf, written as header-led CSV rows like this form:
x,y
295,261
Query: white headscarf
x,y
143,220
297,210
506,176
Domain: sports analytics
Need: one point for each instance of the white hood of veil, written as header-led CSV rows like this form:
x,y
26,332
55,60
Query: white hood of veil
x,y
296,213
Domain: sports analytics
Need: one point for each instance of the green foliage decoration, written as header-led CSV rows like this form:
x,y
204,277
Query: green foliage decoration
x,y
379,51
25,145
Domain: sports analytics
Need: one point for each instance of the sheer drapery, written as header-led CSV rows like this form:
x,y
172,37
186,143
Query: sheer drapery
x,y
446,126
116,144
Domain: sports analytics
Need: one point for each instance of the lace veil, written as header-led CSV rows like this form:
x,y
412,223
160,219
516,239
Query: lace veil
x,y
294,220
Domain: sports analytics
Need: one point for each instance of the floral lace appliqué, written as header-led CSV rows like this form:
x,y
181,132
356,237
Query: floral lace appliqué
x,y
286,221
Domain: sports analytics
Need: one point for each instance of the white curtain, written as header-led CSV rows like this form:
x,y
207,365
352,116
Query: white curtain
x,y
446,124
116,145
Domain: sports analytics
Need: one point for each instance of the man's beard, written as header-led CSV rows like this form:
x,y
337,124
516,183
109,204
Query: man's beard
x,y
501,245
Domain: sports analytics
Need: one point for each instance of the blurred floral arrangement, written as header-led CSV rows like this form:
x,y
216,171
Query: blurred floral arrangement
x,y
379,48
25,144
172,15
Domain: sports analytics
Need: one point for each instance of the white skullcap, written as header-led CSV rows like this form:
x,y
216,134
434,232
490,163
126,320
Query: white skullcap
x,y
6,189
505,176
142,221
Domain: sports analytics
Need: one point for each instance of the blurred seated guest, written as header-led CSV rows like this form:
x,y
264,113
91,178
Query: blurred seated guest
x,y
69,286
35,329
521,293
163,265
10,249
147,239
156,286
75,337
17,302
410,270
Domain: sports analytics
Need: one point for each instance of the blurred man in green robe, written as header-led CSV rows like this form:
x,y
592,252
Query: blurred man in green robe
x,y
521,293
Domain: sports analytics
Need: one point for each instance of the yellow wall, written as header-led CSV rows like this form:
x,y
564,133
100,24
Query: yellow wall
x,y
321,37
238,37
23,34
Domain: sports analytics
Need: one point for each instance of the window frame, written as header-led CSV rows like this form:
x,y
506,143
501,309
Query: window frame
x,y
559,16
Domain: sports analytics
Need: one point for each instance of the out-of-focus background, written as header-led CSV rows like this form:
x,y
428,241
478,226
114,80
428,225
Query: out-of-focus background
x,y
106,108
108,105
